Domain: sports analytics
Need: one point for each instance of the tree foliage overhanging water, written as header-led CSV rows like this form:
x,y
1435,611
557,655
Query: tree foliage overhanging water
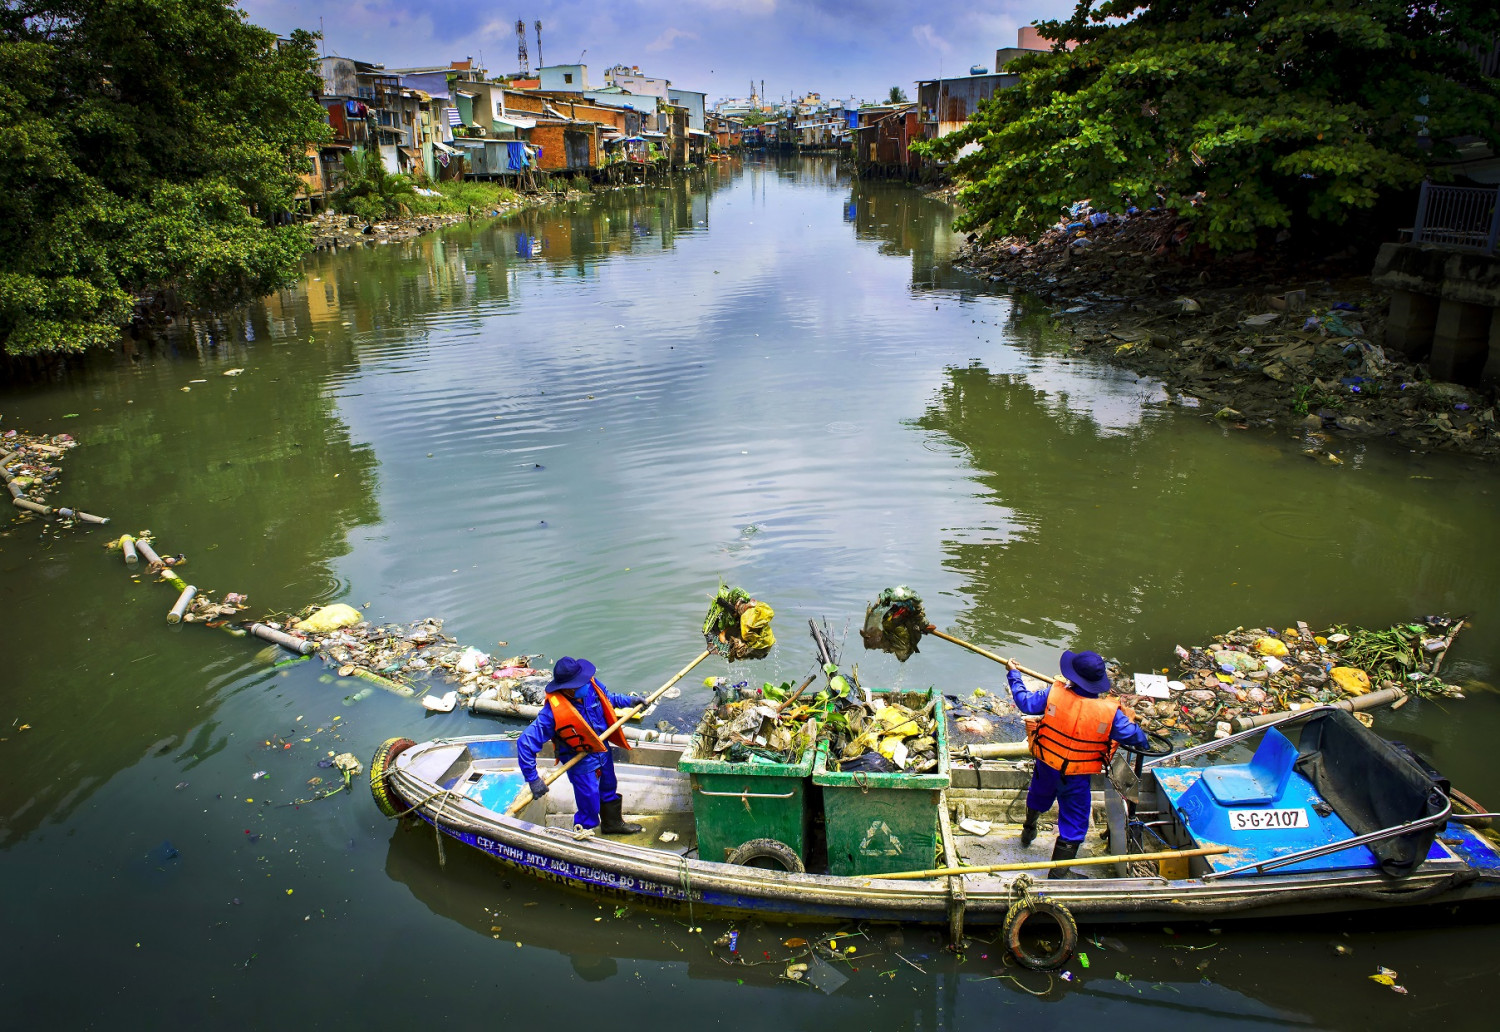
x,y
150,146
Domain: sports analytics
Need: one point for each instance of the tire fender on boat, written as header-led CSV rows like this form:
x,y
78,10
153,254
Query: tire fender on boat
x,y
1023,910
387,800
779,853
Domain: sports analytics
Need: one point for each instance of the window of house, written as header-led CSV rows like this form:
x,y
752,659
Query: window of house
x,y
567,76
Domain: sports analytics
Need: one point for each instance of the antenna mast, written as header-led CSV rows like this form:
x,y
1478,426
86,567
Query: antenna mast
x,y
539,61
521,57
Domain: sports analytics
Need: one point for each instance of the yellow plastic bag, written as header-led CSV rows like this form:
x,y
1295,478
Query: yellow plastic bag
x,y
330,618
1350,679
755,626
1270,647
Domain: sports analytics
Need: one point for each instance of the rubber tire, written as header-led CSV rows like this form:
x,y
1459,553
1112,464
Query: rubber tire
x,y
1016,917
767,849
387,800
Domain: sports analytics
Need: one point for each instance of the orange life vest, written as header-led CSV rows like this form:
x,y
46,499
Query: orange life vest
x,y
574,732
1073,734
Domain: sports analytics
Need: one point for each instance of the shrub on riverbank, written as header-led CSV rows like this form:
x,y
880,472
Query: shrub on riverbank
x,y
150,148
458,198
371,192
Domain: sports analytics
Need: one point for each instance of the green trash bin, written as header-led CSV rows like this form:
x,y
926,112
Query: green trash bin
x,y
734,803
884,823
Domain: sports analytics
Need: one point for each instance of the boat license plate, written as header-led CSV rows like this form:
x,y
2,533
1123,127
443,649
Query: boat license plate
x,y
1267,820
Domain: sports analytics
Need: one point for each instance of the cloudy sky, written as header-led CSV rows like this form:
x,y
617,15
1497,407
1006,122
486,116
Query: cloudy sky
x,y
840,48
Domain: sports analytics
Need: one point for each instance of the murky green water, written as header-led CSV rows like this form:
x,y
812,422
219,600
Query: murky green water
x,y
559,431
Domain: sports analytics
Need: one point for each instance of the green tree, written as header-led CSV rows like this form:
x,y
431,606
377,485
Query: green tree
x,y
1242,115
370,190
896,96
150,145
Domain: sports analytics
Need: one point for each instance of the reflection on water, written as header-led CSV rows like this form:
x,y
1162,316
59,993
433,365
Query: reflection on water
x,y
558,431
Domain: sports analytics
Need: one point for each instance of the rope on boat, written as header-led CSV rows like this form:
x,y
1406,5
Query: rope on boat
x,y
685,881
437,831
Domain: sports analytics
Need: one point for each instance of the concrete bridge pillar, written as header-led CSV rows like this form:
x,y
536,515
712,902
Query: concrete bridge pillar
x,y
1460,341
1411,323
1490,377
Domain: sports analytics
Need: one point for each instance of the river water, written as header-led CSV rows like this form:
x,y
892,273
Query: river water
x,y
559,431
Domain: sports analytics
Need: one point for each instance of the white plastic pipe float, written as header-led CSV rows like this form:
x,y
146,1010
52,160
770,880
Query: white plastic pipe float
x,y
127,549
183,601
147,552
301,646
1370,700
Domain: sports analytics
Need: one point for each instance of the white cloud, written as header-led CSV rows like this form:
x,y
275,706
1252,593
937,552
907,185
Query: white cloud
x,y
928,37
668,38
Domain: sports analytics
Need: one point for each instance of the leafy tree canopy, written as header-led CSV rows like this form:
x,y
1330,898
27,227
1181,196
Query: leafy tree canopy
x,y
896,96
149,144
1242,115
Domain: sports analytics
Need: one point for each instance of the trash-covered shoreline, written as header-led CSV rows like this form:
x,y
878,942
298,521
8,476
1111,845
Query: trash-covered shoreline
x,y
1249,340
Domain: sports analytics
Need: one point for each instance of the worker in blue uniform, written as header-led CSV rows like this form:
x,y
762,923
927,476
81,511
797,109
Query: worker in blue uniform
x,y
578,710
1073,740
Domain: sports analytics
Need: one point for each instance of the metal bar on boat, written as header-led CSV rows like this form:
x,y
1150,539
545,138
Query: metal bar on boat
x,y
1042,865
748,795
1337,847
1208,747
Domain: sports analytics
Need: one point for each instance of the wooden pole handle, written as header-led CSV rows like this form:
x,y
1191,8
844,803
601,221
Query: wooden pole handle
x,y
523,799
1042,865
987,654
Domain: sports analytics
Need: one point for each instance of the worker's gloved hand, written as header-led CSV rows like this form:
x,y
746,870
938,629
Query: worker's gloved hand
x,y
638,700
538,788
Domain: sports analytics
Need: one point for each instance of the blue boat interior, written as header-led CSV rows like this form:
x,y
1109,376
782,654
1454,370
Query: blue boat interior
x,y
1264,809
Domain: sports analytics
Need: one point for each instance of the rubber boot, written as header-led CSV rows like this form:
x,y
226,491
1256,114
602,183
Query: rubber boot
x,y
612,823
1028,830
1063,851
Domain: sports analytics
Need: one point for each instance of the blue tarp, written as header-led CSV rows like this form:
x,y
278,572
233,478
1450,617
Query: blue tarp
x,y
516,157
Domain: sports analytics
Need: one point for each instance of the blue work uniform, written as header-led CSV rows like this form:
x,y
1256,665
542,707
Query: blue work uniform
x,y
1048,784
593,777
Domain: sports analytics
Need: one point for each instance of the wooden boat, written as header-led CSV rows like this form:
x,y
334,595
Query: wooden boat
x,y
1314,814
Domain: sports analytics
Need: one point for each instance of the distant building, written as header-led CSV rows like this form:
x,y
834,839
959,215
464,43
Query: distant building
x,y
629,77
564,78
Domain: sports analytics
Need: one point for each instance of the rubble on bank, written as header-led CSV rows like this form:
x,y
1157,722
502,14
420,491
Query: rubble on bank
x,y
1247,339
331,229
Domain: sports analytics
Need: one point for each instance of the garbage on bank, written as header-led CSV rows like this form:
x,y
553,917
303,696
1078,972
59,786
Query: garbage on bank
x,y
1257,671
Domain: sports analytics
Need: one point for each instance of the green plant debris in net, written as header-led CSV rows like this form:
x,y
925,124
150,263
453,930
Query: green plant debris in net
x,y
895,622
737,626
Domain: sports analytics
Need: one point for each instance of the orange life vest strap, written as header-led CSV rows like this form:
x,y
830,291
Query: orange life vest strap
x,y
1073,734
572,731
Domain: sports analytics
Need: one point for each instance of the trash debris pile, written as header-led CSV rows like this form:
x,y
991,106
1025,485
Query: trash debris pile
x,y
895,622
982,717
33,463
419,650
1269,335
1262,670
772,724
737,626
891,733
30,469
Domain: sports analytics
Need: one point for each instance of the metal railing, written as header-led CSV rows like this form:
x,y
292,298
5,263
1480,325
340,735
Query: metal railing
x,y
1462,217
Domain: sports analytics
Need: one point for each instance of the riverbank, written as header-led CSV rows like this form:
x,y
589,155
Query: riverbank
x,y
458,202
1253,340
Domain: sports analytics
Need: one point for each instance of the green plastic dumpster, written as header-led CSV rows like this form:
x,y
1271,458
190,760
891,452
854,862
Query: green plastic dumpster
x,y
736,803
884,823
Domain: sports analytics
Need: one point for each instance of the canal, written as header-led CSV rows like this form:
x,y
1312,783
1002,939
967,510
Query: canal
x,y
558,431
